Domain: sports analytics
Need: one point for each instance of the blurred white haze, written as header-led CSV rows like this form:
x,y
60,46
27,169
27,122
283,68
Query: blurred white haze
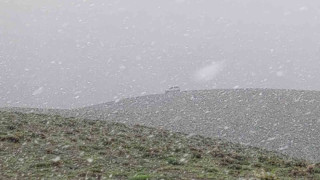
x,y
73,53
209,72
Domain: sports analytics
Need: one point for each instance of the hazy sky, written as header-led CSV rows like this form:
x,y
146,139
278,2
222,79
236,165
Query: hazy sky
x,y
63,54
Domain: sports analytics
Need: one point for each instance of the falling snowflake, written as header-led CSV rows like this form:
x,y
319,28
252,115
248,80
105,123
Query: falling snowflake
x,y
209,72
56,159
90,160
38,91
280,73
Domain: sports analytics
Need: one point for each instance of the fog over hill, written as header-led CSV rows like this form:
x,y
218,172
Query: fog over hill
x,y
64,54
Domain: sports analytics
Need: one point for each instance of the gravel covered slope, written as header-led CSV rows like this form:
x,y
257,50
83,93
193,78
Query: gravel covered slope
x,y
287,121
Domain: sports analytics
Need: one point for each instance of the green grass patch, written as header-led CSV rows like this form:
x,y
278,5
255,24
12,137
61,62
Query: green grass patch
x,y
34,146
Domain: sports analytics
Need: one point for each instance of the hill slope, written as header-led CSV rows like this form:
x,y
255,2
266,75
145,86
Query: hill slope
x,y
287,121
40,146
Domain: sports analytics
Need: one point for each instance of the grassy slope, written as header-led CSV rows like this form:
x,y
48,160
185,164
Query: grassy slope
x,y
34,146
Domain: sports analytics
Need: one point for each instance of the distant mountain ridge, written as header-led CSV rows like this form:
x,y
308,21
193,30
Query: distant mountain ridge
x,y
287,121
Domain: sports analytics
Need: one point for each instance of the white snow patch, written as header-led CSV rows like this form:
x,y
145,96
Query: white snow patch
x,y
209,72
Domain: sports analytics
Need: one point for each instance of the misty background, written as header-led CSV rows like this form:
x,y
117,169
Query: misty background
x,y
68,54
